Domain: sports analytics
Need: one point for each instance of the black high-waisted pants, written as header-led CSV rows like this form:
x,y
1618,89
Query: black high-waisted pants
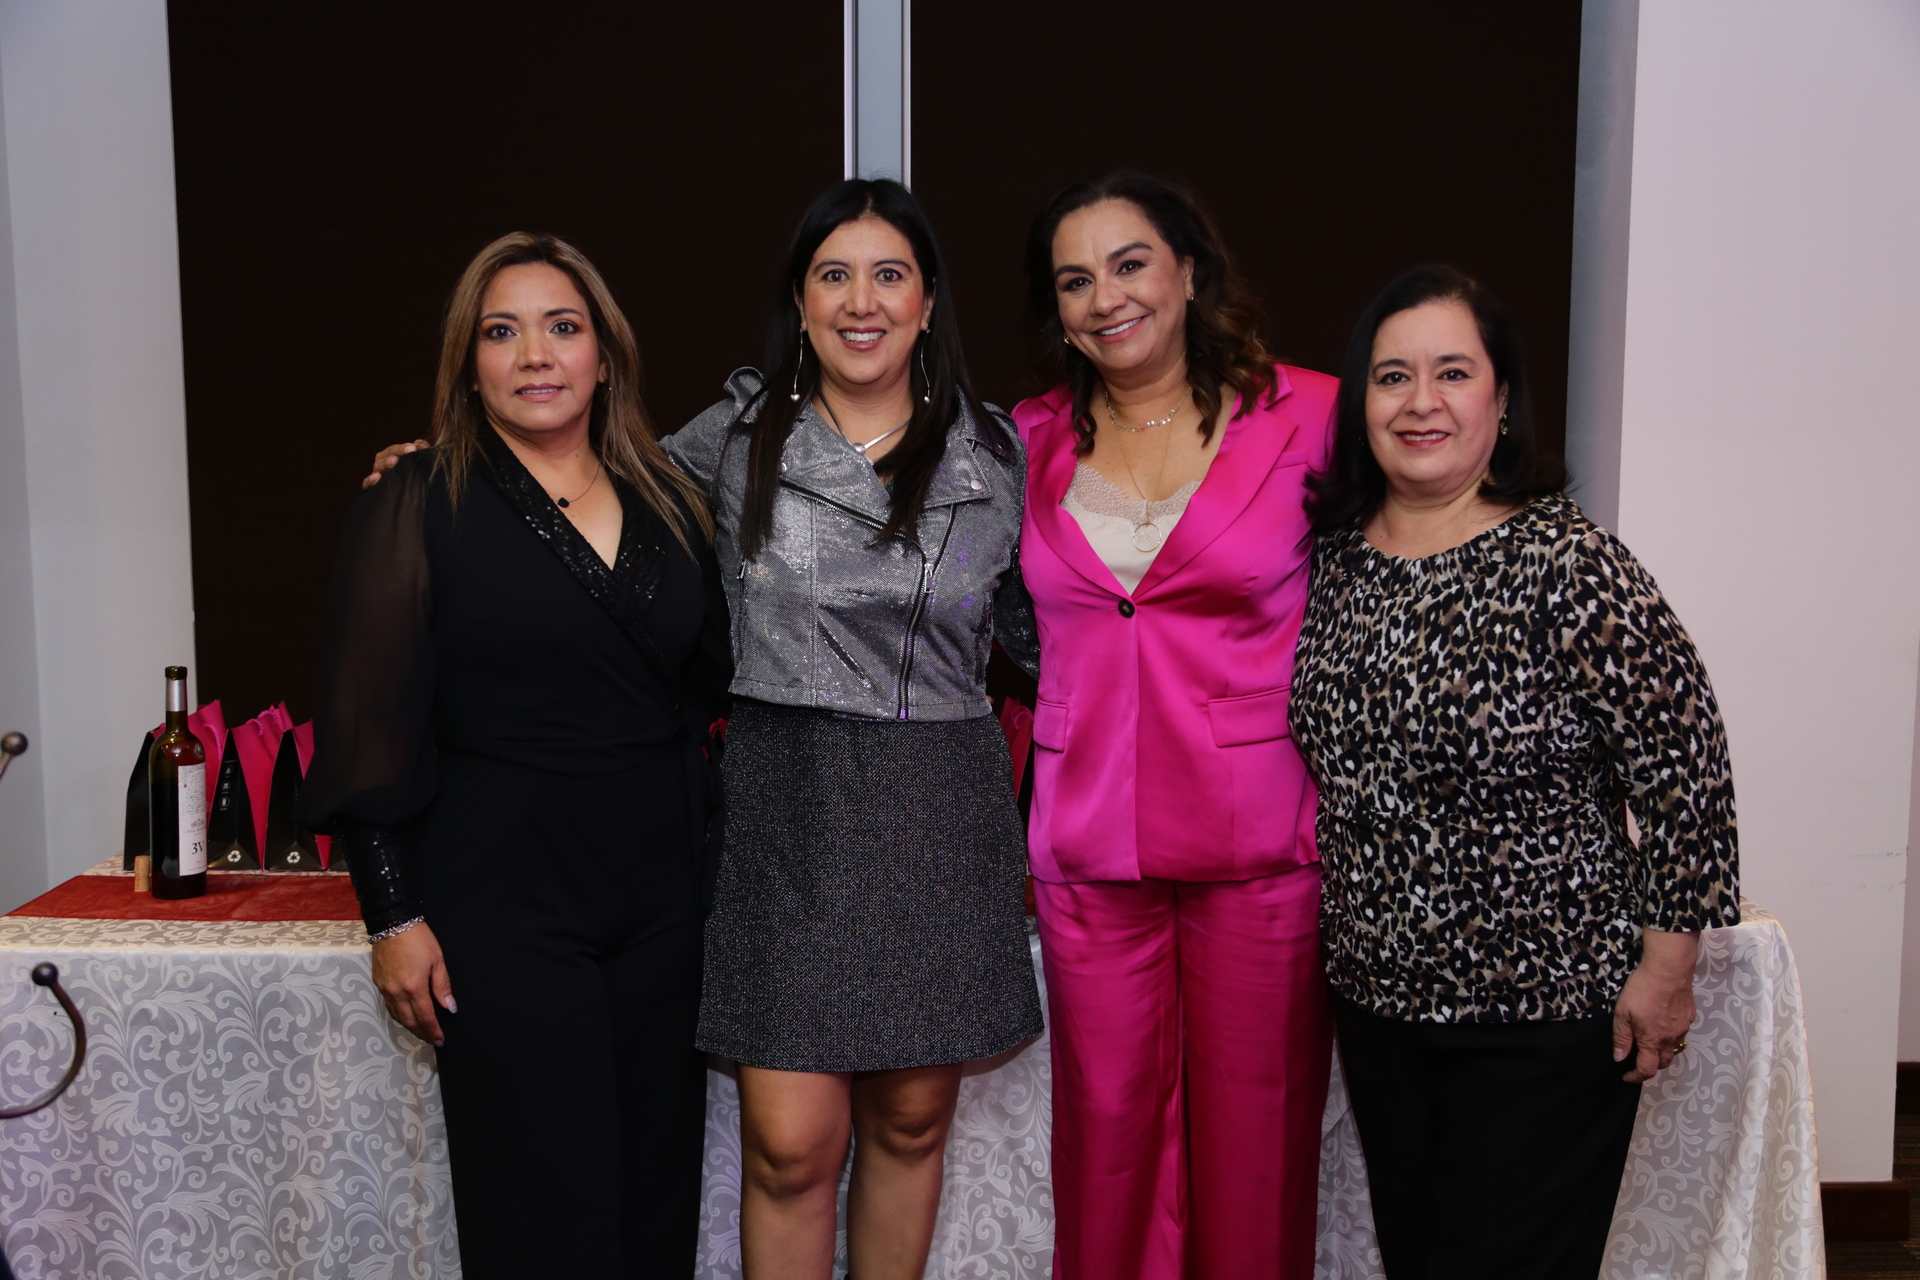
x,y
1494,1150
568,910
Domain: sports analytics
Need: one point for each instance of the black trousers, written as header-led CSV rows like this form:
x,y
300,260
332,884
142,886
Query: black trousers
x,y
568,909
1494,1151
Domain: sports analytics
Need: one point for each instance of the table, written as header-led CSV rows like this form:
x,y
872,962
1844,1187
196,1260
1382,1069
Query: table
x,y
248,1110
1721,1183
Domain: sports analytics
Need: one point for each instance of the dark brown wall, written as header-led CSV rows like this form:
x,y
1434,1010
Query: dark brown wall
x,y
338,165
1337,144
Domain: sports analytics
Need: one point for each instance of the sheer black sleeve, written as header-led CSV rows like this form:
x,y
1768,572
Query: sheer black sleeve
x,y
373,761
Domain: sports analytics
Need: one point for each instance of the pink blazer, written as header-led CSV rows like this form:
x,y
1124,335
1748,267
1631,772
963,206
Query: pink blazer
x,y
1161,730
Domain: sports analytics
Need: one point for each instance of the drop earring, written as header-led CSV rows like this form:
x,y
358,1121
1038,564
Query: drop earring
x,y
926,396
800,358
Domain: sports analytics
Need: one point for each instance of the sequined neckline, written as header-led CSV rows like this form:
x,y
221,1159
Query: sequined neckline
x,y
626,588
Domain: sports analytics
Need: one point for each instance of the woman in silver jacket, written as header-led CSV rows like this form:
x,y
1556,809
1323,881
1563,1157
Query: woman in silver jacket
x,y
868,930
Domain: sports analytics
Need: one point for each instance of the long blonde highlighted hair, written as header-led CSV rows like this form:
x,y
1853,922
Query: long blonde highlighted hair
x,y
620,431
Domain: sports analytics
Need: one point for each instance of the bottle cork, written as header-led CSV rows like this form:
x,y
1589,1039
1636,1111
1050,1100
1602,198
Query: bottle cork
x,y
143,874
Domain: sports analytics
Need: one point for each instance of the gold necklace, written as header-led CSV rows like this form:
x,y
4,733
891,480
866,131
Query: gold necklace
x,y
1149,537
1157,422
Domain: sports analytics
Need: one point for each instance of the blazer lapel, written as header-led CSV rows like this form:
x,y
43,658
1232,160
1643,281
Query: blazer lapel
x,y
1251,446
1050,464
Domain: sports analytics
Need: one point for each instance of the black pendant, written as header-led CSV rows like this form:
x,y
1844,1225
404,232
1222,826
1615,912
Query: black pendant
x,y
561,501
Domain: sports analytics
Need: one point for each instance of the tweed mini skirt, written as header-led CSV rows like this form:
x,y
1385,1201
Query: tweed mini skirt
x,y
870,911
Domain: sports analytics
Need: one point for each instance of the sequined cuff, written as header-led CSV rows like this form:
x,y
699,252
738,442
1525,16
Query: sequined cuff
x,y
377,861
395,931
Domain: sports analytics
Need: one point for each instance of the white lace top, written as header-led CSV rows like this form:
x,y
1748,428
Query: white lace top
x,y
1120,527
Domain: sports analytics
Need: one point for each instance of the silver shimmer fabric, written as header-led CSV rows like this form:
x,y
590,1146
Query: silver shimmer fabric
x,y
825,617
870,908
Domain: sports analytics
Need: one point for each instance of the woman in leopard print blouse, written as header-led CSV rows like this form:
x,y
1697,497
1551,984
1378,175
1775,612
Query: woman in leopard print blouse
x,y
1483,674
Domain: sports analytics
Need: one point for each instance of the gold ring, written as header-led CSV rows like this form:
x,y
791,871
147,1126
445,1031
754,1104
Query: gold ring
x,y
1681,1047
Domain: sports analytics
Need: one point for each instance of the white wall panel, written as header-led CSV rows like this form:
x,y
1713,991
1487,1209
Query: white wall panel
x,y
101,430
1770,469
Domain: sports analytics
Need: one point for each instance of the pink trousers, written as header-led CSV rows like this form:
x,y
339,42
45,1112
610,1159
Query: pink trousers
x,y
1191,1041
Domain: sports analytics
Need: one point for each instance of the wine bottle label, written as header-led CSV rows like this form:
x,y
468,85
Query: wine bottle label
x,y
192,814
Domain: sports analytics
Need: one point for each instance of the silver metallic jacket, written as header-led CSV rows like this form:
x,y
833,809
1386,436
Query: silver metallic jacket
x,y
826,617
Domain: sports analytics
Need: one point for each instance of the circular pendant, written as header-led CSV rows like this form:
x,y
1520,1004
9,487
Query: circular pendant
x,y
1147,537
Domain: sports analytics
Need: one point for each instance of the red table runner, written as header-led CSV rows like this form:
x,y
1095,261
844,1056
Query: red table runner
x,y
229,896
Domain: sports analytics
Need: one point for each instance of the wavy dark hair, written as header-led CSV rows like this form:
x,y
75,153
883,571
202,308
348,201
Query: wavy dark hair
x,y
1224,347
1353,486
938,398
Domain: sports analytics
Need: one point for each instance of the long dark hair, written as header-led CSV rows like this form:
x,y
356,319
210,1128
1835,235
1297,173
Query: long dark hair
x,y
620,431
938,398
1224,348
1353,486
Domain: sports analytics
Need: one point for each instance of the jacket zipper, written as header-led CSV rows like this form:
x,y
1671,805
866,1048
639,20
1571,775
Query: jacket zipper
x,y
927,570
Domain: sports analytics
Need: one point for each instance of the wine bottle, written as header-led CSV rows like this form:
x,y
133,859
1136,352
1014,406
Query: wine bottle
x,y
177,800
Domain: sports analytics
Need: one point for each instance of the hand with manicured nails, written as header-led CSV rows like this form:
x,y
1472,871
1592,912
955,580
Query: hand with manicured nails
x,y
412,977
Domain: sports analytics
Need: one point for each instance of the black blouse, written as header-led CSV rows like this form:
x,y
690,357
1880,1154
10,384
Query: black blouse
x,y
1469,718
497,629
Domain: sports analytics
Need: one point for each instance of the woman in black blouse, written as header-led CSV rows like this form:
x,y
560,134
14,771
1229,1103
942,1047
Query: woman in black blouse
x,y
525,641
1483,676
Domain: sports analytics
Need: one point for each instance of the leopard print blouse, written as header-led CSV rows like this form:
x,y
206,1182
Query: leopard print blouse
x,y
1470,718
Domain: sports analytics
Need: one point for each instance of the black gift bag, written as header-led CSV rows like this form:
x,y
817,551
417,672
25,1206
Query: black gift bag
x,y
136,841
231,844
290,842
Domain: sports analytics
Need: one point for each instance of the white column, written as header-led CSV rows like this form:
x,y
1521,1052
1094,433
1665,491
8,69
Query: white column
x,y
879,95
1768,468
1602,189
95,580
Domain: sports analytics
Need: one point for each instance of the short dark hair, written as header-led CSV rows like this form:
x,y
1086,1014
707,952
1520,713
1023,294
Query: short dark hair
x,y
791,378
1353,486
1224,348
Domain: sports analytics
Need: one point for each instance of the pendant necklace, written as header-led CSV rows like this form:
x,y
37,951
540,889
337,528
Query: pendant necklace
x,y
1149,537
862,448
567,502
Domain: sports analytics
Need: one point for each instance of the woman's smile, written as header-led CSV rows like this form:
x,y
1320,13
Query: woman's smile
x,y
862,339
1118,332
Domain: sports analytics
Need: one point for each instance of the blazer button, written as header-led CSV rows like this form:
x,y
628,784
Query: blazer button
x,y
1126,608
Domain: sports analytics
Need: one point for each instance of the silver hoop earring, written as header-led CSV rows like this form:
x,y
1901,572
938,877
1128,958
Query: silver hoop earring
x,y
800,358
926,396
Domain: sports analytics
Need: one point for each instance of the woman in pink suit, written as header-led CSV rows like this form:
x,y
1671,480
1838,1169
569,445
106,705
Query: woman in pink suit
x,y
1172,838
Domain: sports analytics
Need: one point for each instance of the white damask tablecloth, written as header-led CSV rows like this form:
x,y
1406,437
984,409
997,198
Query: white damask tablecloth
x,y
247,1110
1721,1179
